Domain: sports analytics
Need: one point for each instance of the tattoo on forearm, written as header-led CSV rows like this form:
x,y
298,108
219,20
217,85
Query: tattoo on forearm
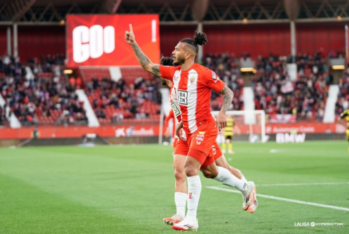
x,y
145,61
156,70
227,99
142,58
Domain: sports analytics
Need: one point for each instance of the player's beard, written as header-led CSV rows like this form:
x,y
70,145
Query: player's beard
x,y
179,62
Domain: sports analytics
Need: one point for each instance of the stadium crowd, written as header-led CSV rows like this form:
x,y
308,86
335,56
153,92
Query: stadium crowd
x,y
38,94
115,101
274,91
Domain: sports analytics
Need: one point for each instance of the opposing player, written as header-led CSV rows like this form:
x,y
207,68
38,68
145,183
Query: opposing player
x,y
228,136
345,114
193,84
178,162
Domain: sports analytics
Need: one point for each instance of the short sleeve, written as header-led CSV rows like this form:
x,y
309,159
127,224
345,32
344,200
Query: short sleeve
x,y
213,81
167,72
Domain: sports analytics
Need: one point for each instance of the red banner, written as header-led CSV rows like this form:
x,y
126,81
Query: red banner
x,y
98,40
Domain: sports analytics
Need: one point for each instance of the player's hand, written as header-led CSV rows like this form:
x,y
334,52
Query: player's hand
x,y
221,121
130,36
179,127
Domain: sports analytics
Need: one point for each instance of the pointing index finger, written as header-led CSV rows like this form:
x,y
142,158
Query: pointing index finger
x,y
131,29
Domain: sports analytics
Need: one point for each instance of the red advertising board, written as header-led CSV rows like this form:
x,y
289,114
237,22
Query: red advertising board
x,y
98,40
145,130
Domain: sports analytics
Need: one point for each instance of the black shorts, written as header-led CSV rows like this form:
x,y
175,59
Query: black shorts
x,y
228,137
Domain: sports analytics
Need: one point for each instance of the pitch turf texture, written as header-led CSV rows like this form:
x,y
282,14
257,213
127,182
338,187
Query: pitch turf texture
x,y
129,189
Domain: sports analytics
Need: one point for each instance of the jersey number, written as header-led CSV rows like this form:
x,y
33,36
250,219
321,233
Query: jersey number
x,y
183,97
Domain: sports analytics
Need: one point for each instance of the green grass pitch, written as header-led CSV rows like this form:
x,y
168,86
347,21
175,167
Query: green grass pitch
x,y
129,189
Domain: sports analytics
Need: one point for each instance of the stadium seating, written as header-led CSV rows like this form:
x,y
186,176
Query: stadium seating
x,y
132,73
114,102
98,73
274,91
45,99
136,97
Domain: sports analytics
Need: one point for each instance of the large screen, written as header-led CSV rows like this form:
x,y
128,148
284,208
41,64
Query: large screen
x,y
98,40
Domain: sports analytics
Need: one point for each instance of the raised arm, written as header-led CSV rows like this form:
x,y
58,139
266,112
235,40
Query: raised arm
x,y
143,60
221,121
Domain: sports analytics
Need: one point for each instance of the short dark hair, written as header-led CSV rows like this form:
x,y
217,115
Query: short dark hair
x,y
199,39
166,61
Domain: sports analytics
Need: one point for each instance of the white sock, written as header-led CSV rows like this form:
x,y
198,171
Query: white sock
x,y
181,202
194,191
243,179
224,176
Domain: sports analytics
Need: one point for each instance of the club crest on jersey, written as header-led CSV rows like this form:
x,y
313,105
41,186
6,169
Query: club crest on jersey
x,y
192,79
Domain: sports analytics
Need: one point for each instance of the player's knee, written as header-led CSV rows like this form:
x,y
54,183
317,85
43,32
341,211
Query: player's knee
x,y
190,170
209,173
227,141
179,175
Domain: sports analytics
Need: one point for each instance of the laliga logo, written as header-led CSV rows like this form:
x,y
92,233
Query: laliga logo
x,y
92,42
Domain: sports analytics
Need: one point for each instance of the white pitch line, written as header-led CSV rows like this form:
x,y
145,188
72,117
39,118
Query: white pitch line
x,y
284,199
303,184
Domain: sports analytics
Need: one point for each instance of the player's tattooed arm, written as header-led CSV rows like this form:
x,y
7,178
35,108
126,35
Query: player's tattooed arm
x,y
144,61
221,121
227,99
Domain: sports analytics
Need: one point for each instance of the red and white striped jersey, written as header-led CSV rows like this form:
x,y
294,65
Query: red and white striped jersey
x,y
192,88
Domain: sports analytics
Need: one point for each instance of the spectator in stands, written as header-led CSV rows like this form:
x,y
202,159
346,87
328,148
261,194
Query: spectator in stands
x,y
41,99
274,91
114,101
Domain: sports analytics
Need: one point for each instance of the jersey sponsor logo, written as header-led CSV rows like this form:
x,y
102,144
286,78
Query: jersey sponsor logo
x,y
190,195
183,97
92,42
175,109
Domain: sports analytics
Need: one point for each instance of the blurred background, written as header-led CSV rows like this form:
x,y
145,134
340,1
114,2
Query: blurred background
x,y
68,79
67,76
